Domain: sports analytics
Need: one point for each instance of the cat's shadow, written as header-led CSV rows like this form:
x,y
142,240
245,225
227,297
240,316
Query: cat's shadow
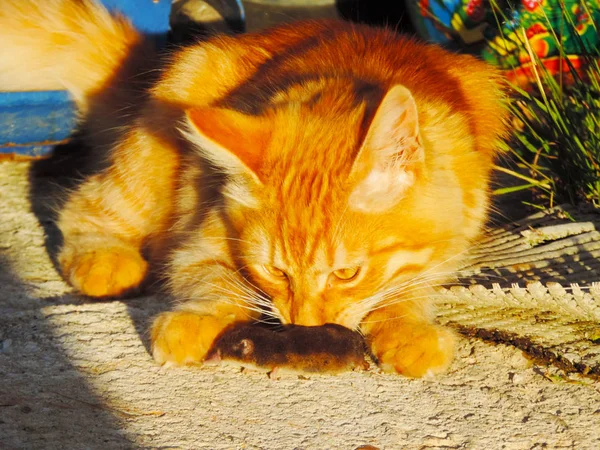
x,y
50,181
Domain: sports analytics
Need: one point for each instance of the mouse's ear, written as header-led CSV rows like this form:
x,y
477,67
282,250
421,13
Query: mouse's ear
x,y
247,347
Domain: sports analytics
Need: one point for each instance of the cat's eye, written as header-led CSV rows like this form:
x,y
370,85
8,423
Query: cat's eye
x,y
274,271
346,274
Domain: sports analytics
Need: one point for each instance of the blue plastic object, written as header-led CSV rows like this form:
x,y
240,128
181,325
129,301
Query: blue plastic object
x,y
148,16
32,123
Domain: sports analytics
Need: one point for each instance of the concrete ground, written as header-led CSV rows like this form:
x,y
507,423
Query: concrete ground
x,y
76,374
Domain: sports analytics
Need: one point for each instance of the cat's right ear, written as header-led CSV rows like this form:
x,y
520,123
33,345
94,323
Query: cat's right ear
x,y
229,139
391,156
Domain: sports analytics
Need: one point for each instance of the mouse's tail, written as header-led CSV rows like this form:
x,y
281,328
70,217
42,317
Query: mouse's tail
x,y
62,44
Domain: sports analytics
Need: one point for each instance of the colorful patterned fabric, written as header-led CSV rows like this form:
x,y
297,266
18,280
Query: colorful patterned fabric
x,y
498,33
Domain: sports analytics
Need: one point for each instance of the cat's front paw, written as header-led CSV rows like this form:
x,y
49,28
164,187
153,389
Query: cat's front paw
x,y
414,349
104,272
180,337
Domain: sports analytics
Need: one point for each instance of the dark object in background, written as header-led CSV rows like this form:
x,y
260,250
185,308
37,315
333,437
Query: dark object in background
x,y
329,348
194,19
390,14
261,14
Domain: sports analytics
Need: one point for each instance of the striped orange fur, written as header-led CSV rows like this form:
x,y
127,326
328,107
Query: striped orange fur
x,y
319,172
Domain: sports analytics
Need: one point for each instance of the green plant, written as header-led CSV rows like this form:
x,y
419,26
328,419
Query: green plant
x,y
556,137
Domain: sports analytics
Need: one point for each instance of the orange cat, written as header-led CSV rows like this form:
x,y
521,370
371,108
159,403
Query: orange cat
x,y
322,172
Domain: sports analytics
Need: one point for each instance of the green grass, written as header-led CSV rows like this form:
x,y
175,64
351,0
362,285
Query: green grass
x,y
556,139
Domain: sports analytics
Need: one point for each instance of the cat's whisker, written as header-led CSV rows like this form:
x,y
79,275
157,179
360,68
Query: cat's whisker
x,y
410,289
252,295
399,301
248,305
405,291
424,282
236,289
431,271
412,285
387,319
253,290
232,298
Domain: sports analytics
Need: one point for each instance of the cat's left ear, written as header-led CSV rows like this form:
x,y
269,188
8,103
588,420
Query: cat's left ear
x,y
231,140
391,155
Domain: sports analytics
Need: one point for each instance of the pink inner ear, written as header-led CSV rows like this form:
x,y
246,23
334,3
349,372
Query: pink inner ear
x,y
394,132
241,135
391,155
248,347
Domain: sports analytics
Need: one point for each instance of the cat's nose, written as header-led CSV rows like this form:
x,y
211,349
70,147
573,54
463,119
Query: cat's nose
x,y
305,313
307,321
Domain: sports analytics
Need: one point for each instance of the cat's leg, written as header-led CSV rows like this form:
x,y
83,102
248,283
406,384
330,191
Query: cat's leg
x,y
220,297
212,294
404,339
106,221
186,335
102,265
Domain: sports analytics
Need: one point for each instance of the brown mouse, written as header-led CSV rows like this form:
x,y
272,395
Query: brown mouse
x,y
329,348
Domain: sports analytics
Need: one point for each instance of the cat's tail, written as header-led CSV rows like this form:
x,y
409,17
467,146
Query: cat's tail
x,y
75,45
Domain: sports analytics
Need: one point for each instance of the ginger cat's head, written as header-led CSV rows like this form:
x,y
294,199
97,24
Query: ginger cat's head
x,y
343,196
